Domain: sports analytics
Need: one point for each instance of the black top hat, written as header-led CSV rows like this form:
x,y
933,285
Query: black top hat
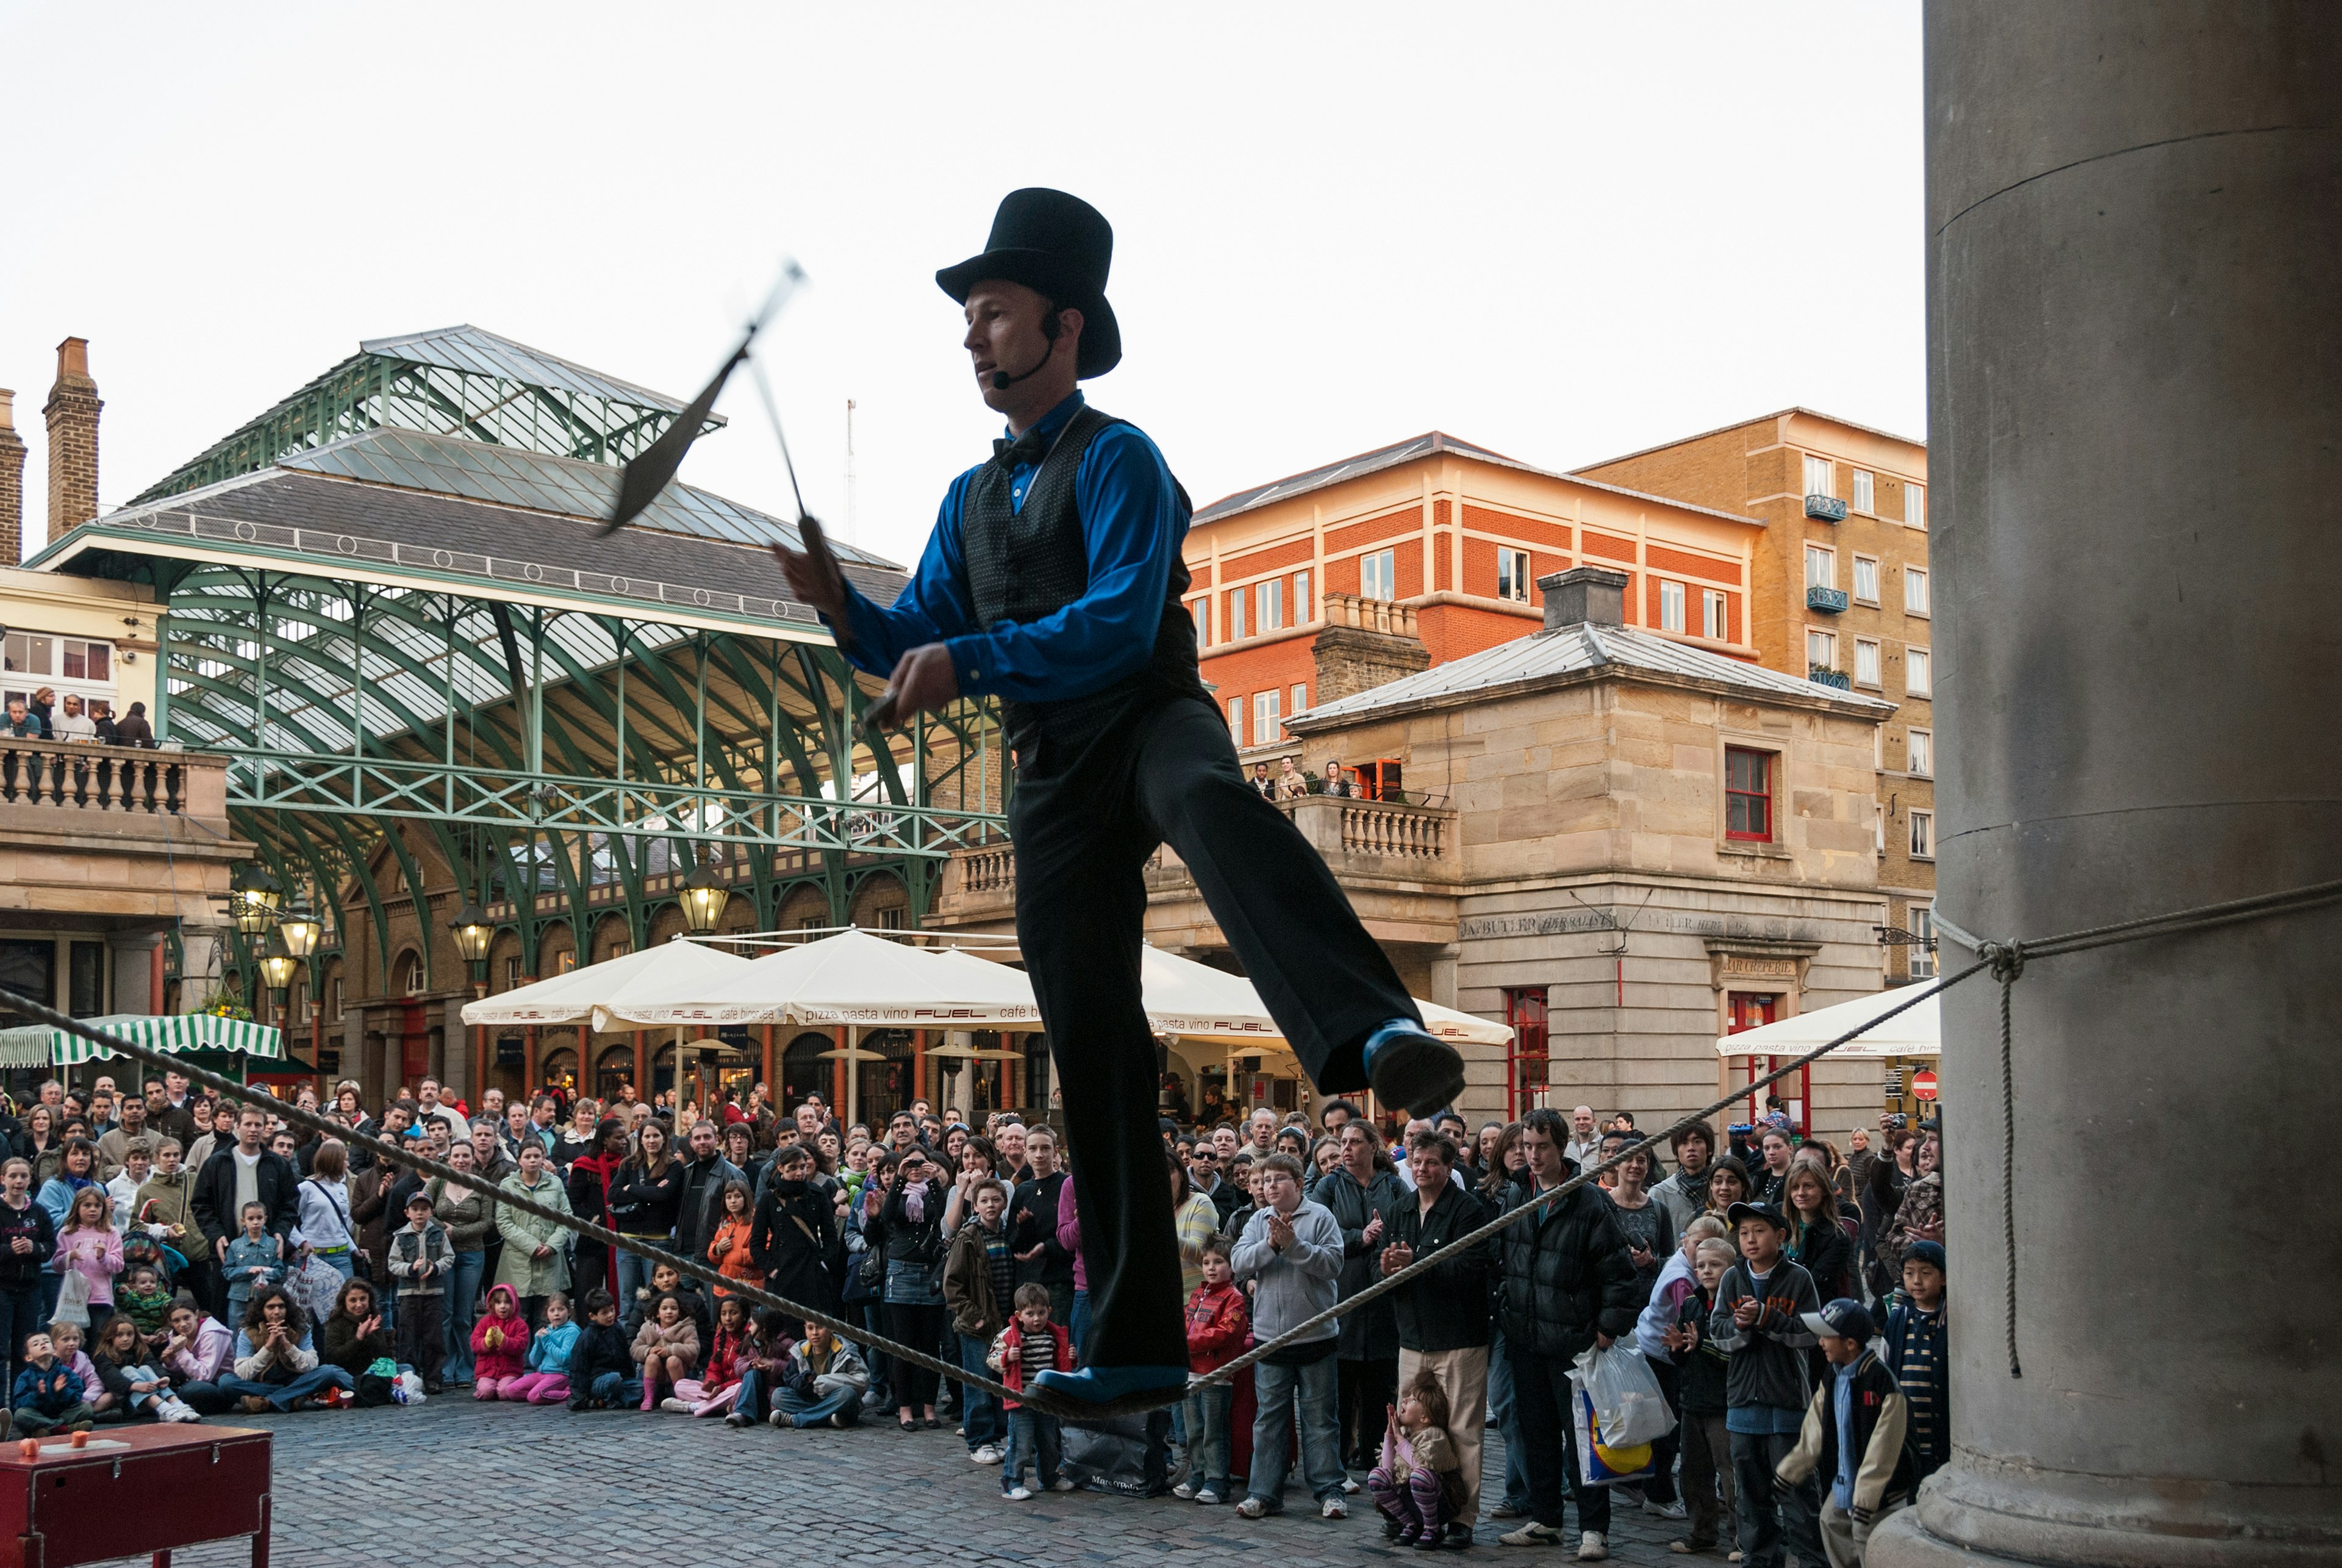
x,y
1060,246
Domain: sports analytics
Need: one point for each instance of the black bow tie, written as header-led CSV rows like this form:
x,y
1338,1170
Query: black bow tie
x,y
1026,451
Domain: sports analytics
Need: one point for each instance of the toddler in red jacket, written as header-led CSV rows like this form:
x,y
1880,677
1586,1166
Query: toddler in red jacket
x,y
1220,1330
499,1345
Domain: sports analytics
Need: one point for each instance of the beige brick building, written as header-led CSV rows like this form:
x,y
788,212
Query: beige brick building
x,y
1841,592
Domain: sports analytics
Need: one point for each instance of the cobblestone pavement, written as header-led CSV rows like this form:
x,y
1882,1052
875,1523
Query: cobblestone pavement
x,y
500,1484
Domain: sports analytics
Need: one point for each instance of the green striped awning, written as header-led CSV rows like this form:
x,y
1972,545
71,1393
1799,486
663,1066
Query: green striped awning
x,y
180,1033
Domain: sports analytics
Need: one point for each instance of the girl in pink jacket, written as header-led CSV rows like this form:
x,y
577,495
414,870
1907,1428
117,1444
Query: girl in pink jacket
x,y
499,1343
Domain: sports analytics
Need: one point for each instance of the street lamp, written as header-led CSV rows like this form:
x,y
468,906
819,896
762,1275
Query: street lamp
x,y
252,900
704,898
300,928
472,932
276,965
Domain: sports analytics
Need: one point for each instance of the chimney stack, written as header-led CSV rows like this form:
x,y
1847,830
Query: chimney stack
x,y
1595,596
72,412
12,482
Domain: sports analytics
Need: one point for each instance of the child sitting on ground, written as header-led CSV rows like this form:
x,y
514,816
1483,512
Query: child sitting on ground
x,y
125,1371
826,1380
667,1346
499,1343
253,1258
69,1337
49,1393
764,1368
1420,1487
546,1380
719,1385
601,1369
1031,1344
145,1301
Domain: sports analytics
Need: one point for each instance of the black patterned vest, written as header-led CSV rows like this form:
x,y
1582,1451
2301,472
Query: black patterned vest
x,y
1023,565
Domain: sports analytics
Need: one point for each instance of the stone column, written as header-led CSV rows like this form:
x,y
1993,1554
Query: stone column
x,y
2135,345
456,1054
203,962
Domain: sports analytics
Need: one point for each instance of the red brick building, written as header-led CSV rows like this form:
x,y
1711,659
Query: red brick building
x,y
1367,569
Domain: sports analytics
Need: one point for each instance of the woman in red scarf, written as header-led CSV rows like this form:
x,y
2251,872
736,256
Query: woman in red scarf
x,y
589,1199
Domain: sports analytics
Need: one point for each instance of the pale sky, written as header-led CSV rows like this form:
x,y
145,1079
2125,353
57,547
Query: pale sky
x,y
1560,231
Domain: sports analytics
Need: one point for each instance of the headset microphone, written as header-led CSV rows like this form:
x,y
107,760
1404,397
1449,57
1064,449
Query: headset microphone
x,y
1002,381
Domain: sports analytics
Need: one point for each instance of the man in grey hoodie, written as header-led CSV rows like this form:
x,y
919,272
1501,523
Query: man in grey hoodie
x,y
1292,1248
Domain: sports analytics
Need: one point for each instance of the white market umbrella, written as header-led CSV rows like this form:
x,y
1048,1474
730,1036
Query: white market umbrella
x,y
853,978
1197,1001
1917,1032
581,995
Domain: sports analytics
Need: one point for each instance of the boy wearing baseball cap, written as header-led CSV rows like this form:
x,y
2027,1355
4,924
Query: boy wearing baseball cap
x,y
1759,1324
1854,1434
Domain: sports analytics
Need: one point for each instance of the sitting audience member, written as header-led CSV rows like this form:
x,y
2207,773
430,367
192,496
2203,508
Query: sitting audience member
x,y
276,1359
49,1393
196,1355
355,1338
1419,1488
127,1372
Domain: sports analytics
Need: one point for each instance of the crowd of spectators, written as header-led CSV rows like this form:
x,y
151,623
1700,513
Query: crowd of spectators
x,y
167,1256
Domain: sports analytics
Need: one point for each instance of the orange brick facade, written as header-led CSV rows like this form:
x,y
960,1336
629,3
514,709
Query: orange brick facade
x,y
1881,640
1386,527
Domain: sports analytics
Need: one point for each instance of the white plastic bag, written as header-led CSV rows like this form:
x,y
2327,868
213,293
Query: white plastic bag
x,y
317,1284
73,1299
1626,1395
407,1388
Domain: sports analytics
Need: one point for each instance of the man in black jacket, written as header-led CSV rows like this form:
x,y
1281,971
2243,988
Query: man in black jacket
x,y
706,1174
1443,1315
1570,1282
1205,1174
242,1173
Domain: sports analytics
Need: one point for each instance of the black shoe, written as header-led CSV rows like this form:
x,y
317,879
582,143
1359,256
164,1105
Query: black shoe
x,y
1391,1528
1457,1539
1412,1069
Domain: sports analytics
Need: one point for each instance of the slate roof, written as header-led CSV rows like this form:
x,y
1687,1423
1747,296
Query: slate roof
x,y
1581,651
1429,444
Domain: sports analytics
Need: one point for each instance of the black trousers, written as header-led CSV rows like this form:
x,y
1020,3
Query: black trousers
x,y
1364,1390
1541,1404
1084,818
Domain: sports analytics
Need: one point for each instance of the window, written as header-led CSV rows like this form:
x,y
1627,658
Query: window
x,y
1914,507
1821,566
1378,575
1821,650
1918,672
1714,622
1923,952
414,987
1513,575
1821,476
892,919
1269,599
1923,835
1301,698
1863,489
76,666
1266,718
1923,754
1201,609
1235,615
1748,796
1915,590
1878,826
512,973
333,998
301,1004
1866,662
566,962
1235,720
1303,612
1671,606
1866,579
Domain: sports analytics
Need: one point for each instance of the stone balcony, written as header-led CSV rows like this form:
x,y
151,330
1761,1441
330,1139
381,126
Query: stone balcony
x,y
113,833
1400,865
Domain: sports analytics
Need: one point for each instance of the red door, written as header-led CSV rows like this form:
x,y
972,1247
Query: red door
x,y
414,1047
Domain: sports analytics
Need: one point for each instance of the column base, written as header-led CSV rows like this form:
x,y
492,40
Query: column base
x,y
1979,1512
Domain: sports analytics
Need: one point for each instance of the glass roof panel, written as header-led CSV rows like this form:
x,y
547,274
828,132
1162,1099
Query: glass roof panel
x,y
474,352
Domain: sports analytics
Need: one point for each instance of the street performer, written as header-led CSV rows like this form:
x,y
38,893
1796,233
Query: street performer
x,y
1053,581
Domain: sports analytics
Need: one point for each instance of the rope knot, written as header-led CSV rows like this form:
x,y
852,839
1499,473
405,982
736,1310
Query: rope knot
x,y
2007,959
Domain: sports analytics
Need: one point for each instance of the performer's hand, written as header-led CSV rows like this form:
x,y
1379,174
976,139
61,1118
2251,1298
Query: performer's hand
x,y
924,679
812,574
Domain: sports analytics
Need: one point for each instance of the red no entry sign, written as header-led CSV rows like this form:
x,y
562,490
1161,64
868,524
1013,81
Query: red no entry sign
x,y
1923,1085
